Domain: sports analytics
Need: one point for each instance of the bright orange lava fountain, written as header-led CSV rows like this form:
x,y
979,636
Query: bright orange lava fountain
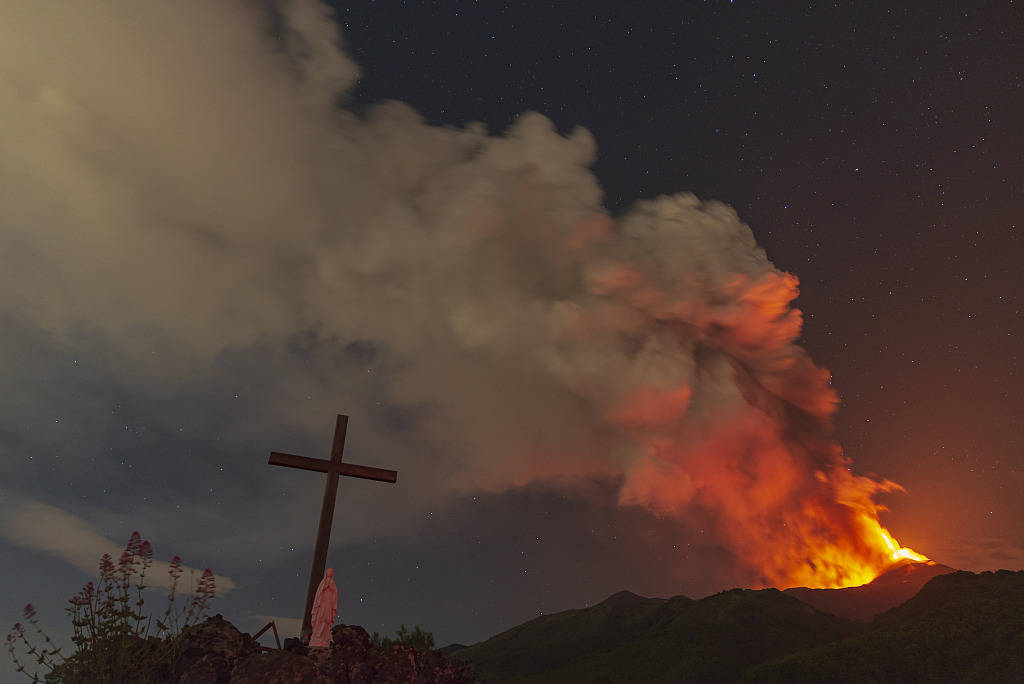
x,y
855,551
794,526
900,552
862,573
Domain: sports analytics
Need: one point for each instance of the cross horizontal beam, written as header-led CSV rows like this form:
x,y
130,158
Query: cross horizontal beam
x,y
323,466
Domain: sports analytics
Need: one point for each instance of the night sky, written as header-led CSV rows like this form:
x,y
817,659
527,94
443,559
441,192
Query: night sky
x,y
214,237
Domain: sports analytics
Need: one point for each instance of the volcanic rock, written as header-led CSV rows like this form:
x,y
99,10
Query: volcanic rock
x,y
209,651
295,645
215,652
278,667
355,659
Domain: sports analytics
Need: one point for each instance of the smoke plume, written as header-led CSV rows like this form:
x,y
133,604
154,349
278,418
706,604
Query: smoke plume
x,y
181,177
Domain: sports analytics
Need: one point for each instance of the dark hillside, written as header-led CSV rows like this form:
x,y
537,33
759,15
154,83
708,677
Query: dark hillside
x,y
960,627
656,640
889,589
550,641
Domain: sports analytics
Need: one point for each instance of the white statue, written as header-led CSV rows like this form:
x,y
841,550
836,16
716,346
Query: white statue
x,y
325,608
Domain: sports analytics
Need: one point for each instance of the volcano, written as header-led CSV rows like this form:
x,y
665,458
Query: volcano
x,y
960,627
886,591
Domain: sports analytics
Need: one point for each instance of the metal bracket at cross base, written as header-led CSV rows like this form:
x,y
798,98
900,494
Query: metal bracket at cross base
x,y
269,625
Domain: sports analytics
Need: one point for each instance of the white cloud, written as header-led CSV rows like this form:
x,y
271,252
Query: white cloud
x,y
36,525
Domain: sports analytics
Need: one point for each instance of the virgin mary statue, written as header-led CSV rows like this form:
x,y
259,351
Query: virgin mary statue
x,y
325,608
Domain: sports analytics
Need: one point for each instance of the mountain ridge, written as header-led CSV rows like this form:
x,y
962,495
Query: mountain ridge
x,y
945,629
894,586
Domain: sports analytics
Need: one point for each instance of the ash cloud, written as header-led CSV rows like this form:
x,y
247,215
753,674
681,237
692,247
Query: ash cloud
x,y
179,179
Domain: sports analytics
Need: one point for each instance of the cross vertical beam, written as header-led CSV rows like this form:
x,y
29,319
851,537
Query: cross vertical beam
x,y
333,468
323,528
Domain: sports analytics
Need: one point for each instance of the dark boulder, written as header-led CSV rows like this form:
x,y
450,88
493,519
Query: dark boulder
x,y
278,667
295,645
208,652
354,659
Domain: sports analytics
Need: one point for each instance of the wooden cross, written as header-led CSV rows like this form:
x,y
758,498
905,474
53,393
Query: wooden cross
x,y
333,468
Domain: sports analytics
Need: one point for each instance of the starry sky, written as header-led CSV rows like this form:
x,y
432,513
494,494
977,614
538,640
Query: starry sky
x,y
218,231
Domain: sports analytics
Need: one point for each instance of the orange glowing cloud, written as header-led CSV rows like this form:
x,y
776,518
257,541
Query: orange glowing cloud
x,y
544,337
648,406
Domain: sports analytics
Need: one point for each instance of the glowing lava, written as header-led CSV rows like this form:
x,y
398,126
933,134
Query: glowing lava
x,y
901,552
792,525
843,552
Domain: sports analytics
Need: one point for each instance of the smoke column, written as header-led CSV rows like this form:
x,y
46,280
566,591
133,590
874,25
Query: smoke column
x,y
177,175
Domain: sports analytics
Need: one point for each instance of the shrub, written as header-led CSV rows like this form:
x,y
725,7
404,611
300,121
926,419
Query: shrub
x,y
111,634
417,639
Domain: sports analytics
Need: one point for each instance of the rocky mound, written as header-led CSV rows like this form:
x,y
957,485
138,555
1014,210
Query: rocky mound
x,y
216,652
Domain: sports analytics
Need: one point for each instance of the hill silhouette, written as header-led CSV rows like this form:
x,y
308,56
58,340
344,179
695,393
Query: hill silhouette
x,y
889,589
958,627
628,638
961,627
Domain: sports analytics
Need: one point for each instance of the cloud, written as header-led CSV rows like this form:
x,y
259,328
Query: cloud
x,y
36,525
180,180
982,553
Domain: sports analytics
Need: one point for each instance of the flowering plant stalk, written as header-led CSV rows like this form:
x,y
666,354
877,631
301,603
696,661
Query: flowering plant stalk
x,y
111,634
